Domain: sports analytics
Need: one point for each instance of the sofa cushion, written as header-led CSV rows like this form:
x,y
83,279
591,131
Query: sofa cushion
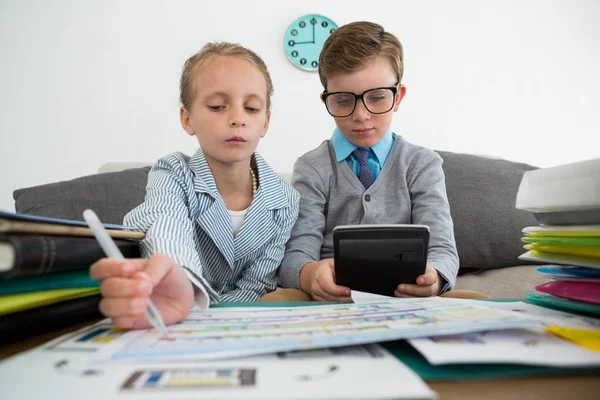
x,y
507,283
482,193
110,195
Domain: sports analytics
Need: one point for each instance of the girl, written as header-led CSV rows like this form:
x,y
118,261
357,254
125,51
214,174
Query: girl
x,y
217,223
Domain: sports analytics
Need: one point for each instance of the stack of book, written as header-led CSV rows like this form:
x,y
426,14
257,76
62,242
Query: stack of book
x,y
44,272
566,202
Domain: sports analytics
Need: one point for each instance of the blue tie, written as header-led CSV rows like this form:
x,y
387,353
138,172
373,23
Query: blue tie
x,y
365,174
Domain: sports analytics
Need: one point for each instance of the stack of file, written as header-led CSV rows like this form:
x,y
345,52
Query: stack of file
x,y
572,288
44,278
574,245
566,202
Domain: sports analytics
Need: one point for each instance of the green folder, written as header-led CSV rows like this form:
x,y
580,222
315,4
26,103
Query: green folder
x,y
57,280
23,301
415,361
565,241
562,304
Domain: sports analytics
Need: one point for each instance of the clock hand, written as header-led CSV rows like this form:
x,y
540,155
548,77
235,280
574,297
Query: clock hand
x,y
313,33
295,43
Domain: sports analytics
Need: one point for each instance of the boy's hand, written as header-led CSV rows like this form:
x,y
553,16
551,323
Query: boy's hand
x,y
427,285
317,278
126,284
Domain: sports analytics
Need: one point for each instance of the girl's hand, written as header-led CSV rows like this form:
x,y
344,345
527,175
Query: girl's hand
x,y
126,285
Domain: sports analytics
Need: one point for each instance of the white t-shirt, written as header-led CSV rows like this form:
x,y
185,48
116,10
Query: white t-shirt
x,y
237,219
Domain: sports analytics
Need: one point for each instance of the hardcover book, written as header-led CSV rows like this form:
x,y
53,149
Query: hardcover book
x,y
22,254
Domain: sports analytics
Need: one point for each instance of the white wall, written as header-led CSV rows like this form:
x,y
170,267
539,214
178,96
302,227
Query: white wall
x,y
87,82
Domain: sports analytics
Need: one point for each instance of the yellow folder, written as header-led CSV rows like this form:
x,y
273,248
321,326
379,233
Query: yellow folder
x,y
590,339
23,301
574,250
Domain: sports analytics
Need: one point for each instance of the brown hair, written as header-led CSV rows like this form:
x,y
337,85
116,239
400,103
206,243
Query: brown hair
x,y
354,46
206,54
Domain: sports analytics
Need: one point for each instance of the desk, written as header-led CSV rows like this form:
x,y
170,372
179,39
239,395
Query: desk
x,y
543,388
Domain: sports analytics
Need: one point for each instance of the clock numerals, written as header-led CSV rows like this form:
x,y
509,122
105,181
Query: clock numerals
x,y
304,45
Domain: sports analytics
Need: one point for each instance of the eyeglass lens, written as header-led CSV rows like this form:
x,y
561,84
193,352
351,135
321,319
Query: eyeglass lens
x,y
376,101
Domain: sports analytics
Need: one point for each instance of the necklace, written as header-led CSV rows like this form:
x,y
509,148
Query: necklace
x,y
254,183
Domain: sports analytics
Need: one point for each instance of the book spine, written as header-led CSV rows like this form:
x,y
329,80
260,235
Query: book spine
x,y
40,254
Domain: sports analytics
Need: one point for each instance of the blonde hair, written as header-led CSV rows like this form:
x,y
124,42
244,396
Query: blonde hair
x,y
354,46
206,54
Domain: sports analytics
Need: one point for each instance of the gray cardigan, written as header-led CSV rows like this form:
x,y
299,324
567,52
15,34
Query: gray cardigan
x,y
410,189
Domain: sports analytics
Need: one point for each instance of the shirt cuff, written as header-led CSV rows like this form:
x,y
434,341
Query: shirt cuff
x,y
446,284
200,294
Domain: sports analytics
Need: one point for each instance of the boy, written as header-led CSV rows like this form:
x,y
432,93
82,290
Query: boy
x,y
366,174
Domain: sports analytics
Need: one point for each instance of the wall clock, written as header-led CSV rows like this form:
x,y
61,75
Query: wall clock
x,y
304,40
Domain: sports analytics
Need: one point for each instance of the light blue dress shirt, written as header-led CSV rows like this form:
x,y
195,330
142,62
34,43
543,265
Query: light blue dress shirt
x,y
380,151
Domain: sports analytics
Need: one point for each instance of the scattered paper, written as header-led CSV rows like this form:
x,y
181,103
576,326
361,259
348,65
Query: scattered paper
x,y
515,346
359,297
519,346
66,367
237,332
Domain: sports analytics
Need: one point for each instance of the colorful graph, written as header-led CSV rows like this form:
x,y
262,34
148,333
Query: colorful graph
x,y
230,332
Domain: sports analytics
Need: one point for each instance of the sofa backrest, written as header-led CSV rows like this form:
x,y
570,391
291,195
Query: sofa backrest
x,y
481,192
487,226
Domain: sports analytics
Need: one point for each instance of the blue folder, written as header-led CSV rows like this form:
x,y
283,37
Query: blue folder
x,y
58,221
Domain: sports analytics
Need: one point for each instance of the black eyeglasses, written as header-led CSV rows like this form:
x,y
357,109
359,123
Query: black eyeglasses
x,y
377,101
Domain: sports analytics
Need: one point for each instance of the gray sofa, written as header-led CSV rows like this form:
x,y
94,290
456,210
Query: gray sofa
x,y
481,192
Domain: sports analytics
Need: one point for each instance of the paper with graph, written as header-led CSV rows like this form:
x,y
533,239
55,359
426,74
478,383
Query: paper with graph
x,y
235,332
351,372
517,346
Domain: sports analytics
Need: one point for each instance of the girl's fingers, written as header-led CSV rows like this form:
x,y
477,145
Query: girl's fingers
x,y
125,287
122,306
107,267
131,322
157,267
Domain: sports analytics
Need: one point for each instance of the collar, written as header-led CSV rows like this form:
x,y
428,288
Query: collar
x,y
270,187
343,147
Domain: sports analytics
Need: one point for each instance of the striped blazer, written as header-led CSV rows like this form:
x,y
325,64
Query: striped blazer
x,y
185,217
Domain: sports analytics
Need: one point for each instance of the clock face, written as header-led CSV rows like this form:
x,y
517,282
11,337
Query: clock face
x,y
304,40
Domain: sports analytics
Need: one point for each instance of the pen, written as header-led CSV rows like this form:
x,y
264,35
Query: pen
x,y
112,251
